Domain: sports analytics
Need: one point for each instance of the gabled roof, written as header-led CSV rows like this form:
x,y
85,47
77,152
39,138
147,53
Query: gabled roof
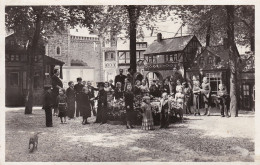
x,y
169,45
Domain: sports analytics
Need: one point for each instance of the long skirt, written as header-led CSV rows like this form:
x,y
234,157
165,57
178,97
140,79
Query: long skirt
x,y
85,111
147,122
101,114
48,115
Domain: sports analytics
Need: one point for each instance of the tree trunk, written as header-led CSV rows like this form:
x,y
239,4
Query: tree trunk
x,y
31,54
208,34
133,17
232,61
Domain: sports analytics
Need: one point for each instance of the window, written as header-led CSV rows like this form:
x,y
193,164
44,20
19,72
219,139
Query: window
x,y
109,56
139,55
214,79
175,57
113,41
124,57
144,46
201,60
58,50
14,79
35,58
14,57
210,60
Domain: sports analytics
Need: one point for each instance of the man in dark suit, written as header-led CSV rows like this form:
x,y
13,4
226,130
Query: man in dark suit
x,y
120,78
47,105
78,89
56,85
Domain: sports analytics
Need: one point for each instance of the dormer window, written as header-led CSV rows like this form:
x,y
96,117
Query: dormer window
x,y
210,60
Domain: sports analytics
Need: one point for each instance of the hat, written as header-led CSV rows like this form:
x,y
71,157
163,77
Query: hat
x,y
79,79
101,84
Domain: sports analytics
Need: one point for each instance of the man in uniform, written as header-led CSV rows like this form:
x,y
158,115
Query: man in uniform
x,y
78,89
120,78
102,105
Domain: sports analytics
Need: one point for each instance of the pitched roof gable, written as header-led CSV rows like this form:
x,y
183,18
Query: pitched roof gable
x,y
169,45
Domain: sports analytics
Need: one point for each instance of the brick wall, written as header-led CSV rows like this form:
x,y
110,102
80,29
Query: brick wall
x,y
85,49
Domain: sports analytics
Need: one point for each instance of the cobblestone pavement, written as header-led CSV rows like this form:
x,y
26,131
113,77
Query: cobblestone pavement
x,y
197,139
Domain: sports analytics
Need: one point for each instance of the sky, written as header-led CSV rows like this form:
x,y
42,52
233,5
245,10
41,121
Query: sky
x,y
168,29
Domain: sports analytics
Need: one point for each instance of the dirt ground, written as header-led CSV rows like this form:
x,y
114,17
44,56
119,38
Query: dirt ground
x,y
198,139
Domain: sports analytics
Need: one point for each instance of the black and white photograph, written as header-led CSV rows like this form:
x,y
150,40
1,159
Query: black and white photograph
x,y
129,83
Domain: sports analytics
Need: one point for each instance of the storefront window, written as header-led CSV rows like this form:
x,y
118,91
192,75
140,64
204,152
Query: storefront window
x,y
14,79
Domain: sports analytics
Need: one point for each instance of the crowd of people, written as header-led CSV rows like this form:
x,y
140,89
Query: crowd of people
x,y
173,92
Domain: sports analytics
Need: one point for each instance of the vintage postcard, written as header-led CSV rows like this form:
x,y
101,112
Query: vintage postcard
x,y
138,82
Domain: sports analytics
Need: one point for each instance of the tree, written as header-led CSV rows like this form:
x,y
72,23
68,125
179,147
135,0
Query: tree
x,y
37,22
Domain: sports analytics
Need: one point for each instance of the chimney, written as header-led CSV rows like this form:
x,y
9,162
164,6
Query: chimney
x,y
159,37
225,43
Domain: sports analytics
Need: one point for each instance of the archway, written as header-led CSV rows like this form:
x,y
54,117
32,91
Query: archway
x,y
153,75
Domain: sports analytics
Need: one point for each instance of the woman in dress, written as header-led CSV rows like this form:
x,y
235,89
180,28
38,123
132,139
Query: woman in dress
x,y
147,122
129,105
56,85
206,91
179,97
165,109
137,89
71,95
85,107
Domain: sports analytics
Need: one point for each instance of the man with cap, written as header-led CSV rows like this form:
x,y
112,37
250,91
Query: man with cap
x,y
102,104
120,78
78,89
47,105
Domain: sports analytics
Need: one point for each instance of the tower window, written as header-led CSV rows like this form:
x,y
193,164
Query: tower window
x,y
58,50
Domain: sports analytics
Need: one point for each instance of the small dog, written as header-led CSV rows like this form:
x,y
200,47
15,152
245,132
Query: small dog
x,y
33,142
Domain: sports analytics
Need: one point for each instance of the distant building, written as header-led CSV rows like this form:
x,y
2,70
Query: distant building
x,y
16,71
164,54
81,54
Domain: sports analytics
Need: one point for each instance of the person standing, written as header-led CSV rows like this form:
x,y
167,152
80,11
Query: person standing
x,y
147,121
120,78
154,90
196,97
85,109
56,85
47,105
102,105
71,95
187,97
144,88
78,89
206,93
173,80
119,93
222,97
129,105
62,105
92,95
165,109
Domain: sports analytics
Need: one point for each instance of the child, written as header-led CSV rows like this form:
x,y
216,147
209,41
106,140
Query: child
x,y
165,109
62,105
85,106
137,89
206,95
147,122
129,104
196,95
179,97
144,88
223,100
71,95
187,97
178,82
47,105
